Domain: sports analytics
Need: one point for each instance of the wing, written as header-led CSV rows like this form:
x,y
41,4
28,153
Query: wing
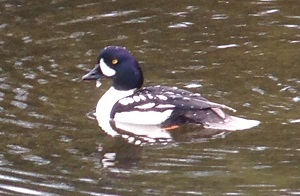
x,y
171,107
162,98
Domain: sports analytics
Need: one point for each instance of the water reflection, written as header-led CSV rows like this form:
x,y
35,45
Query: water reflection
x,y
118,153
243,53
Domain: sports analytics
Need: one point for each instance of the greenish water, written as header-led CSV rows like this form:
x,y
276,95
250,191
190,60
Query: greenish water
x,y
244,54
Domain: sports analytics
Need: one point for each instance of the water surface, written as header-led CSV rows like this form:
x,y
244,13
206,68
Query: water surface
x,y
244,54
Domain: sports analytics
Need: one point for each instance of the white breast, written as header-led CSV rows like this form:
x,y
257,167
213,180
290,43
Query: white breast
x,y
106,103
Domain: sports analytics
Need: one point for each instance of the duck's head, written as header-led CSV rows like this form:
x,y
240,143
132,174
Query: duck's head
x,y
120,65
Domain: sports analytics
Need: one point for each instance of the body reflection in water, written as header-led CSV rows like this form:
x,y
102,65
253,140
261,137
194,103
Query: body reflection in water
x,y
118,153
123,148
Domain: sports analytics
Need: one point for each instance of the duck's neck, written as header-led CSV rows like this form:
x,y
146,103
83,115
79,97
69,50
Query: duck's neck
x,y
107,101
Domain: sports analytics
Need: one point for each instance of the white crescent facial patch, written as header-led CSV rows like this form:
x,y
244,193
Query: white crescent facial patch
x,y
106,70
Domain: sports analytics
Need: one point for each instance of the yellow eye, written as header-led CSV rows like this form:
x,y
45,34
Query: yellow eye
x,y
114,61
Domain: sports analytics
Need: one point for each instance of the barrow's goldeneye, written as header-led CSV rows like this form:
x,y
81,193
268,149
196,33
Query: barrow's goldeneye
x,y
127,101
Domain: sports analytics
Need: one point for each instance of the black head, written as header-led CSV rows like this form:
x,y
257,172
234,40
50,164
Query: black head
x,y
119,64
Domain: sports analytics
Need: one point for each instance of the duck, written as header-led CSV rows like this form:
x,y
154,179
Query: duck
x,y
128,102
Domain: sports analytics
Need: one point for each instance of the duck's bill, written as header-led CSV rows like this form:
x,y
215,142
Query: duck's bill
x,y
94,74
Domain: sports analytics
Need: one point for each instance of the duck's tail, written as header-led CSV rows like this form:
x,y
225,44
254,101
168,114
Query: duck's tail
x,y
232,123
213,118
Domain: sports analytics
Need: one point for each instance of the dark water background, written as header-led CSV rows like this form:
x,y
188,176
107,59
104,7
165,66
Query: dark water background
x,y
245,54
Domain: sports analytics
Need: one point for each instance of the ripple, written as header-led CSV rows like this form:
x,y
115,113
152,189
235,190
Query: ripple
x,y
11,178
178,13
23,173
23,179
22,190
219,17
221,151
180,25
21,94
2,26
5,86
1,96
294,121
266,12
56,185
227,46
36,159
27,39
19,104
42,81
292,26
87,5
43,98
16,149
36,115
296,99
138,20
203,173
3,161
193,85
20,123
77,34
258,90
190,192
257,185
30,75
98,17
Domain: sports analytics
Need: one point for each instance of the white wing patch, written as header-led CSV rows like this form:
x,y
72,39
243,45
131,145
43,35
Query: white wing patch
x,y
146,106
170,93
165,106
162,97
136,98
126,101
150,96
143,117
142,97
